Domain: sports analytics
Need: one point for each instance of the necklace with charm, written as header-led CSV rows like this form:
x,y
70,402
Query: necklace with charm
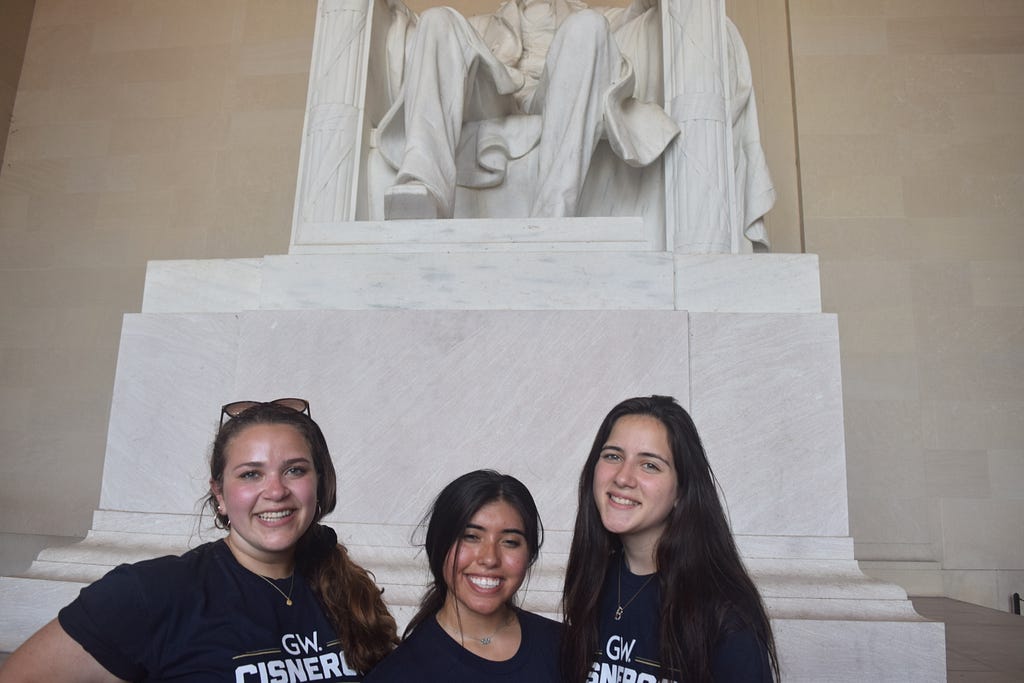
x,y
622,607
291,587
486,640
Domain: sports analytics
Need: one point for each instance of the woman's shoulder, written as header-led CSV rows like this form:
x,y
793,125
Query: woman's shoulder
x,y
541,636
414,658
146,583
169,568
539,622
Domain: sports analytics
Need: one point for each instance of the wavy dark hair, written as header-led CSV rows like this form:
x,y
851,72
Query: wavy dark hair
x,y
347,592
446,522
705,589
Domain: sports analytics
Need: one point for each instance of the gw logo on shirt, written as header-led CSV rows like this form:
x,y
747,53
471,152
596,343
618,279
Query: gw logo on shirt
x,y
314,666
618,649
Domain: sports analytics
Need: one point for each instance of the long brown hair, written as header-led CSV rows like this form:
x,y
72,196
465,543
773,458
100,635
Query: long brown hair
x,y
347,592
702,578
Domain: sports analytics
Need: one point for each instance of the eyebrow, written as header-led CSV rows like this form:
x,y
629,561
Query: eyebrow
x,y
504,531
642,454
656,457
260,464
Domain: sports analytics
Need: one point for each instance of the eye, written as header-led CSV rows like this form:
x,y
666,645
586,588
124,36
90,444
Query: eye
x,y
651,466
611,456
297,471
512,542
249,475
470,536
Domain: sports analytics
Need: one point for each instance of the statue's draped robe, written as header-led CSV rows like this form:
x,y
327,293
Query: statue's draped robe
x,y
502,116
502,119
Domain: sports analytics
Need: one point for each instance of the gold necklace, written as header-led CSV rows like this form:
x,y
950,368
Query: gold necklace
x,y
622,608
287,596
291,587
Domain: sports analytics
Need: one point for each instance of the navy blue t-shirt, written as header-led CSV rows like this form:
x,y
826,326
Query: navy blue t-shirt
x,y
203,617
629,649
429,655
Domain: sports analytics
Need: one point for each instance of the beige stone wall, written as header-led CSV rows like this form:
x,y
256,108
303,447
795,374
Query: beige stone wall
x,y
912,163
142,130
156,130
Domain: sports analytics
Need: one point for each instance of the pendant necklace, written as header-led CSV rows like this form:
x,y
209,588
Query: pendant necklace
x,y
622,607
287,596
486,640
291,586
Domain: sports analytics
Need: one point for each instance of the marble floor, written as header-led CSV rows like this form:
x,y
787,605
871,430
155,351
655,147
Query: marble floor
x,y
982,645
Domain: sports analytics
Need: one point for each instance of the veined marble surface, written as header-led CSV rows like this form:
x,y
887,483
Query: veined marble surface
x,y
486,280
766,395
748,283
202,285
407,399
467,234
461,281
410,399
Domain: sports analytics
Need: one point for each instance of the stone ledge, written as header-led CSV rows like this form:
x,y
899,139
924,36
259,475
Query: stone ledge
x,y
485,280
473,235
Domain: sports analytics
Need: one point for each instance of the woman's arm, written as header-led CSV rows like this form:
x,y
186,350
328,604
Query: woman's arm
x,y
52,655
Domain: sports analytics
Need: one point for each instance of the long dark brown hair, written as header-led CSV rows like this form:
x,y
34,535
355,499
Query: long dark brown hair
x,y
347,592
704,585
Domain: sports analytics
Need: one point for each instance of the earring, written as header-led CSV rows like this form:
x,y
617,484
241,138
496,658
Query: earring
x,y
220,511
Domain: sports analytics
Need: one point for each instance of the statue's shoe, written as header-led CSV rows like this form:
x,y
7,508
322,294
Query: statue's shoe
x,y
409,201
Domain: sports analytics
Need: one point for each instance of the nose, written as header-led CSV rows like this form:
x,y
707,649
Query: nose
x,y
275,488
624,477
487,554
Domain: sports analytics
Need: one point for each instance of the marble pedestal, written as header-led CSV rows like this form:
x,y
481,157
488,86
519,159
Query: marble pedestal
x,y
422,366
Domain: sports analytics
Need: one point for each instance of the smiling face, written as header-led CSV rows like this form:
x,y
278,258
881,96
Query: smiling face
x,y
268,492
635,482
485,568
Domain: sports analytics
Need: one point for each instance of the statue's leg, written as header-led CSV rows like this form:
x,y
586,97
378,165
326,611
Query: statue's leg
x,y
436,79
581,63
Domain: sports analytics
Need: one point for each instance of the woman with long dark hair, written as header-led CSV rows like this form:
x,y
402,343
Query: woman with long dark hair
x,y
483,535
277,595
654,582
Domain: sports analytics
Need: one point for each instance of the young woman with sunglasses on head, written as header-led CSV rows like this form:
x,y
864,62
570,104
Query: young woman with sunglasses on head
x,y
655,589
277,599
483,536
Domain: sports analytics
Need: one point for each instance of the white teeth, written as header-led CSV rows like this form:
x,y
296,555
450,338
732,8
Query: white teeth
x,y
622,501
271,516
484,581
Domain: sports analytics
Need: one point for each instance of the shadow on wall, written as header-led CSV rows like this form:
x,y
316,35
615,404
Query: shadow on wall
x,y
15,19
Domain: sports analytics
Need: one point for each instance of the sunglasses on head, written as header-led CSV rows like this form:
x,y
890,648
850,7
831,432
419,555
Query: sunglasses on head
x,y
232,410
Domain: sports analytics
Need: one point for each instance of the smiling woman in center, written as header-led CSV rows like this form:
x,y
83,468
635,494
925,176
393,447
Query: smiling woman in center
x,y
483,536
